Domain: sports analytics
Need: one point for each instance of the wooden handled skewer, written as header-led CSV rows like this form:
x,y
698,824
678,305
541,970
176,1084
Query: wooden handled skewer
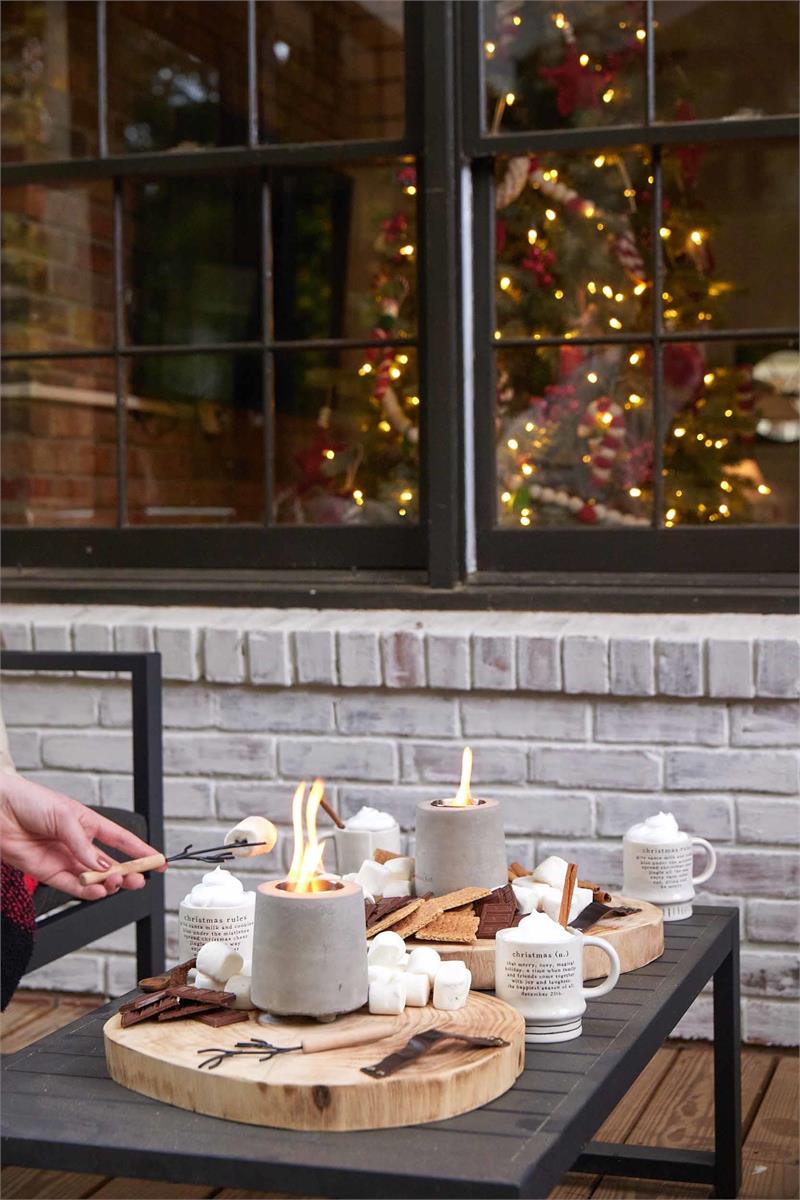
x,y
149,863
566,895
372,1031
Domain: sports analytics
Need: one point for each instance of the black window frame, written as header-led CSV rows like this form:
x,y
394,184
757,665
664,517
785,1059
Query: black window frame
x,y
454,557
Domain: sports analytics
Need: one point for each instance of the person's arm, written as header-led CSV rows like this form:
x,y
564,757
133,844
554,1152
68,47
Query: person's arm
x,y
49,836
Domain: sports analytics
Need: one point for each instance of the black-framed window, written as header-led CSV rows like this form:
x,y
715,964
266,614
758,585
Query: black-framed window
x,y
636,285
490,300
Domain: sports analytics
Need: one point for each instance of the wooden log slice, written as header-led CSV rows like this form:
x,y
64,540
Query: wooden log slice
x,y
638,940
325,1091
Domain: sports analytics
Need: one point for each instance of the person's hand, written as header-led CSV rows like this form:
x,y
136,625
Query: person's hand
x,y
49,836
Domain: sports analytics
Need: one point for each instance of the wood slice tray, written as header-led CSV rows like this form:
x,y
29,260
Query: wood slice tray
x,y
637,939
324,1091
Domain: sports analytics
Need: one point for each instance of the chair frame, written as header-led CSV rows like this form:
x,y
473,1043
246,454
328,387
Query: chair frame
x,y
73,927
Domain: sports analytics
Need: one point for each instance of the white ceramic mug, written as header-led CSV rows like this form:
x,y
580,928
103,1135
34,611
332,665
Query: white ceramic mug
x,y
544,982
354,845
661,872
232,925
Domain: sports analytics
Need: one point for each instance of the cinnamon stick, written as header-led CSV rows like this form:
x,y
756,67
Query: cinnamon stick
x,y
332,813
566,895
517,870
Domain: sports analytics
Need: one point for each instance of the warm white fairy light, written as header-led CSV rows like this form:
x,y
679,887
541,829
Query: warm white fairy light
x,y
614,323
634,358
329,454
592,377
763,490
407,251
635,492
532,236
678,432
550,214
640,287
365,369
512,444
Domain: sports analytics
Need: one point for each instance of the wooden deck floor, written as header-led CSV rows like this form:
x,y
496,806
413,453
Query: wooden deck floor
x,y
671,1104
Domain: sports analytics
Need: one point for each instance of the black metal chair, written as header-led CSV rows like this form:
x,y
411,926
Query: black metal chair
x,y
74,924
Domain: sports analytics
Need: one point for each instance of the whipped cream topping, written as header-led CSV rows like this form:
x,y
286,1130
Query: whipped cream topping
x,y
218,889
371,819
661,827
538,927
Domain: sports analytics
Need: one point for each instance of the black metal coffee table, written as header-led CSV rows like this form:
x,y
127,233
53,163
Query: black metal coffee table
x,y
61,1111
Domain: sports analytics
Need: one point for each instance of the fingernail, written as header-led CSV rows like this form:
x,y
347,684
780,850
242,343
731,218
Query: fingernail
x,y
103,863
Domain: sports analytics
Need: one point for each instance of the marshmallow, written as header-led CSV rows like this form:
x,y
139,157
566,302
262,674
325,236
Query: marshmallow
x,y
248,831
191,975
372,877
387,996
424,960
553,871
387,950
418,989
551,903
240,986
352,877
526,898
397,887
247,965
201,980
451,986
219,961
371,819
400,868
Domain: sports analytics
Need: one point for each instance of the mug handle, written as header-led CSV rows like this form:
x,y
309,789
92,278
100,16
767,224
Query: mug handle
x,y
328,837
602,989
711,865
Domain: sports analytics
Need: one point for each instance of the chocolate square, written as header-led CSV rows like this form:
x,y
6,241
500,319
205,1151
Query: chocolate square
x,y
224,1016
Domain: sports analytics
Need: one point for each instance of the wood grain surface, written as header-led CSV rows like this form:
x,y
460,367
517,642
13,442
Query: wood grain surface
x,y
638,940
326,1091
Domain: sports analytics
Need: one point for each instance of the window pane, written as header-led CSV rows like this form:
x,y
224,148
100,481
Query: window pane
x,y
59,443
573,240
730,236
563,66
733,428
345,252
347,432
49,80
195,439
331,71
177,75
192,254
725,58
57,267
574,436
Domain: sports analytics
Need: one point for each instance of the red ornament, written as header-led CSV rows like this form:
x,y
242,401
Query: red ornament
x,y
587,514
577,87
683,365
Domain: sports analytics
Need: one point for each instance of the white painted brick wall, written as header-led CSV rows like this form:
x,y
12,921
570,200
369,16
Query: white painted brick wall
x,y
580,725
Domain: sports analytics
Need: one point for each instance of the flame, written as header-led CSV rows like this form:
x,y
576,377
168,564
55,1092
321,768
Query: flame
x,y
463,796
308,850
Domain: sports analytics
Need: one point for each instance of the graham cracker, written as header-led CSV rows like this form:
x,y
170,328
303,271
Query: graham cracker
x,y
461,897
450,927
424,914
384,856
407,912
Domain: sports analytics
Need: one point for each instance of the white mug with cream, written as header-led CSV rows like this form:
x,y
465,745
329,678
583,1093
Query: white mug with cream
x,y
539,972
217,909
365,832
658,865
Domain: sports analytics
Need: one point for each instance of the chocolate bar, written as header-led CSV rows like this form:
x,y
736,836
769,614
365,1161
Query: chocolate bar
x,y
225,1016
496,911
144,1001
133,1016
596,911
202,995
188,1010
384,908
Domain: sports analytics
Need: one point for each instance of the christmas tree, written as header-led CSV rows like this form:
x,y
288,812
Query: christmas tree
x,y
576,257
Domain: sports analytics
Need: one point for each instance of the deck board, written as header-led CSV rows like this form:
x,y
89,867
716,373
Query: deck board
x,y
671,1103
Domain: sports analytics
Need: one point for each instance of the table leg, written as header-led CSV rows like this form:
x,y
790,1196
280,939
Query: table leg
x,y
727,1075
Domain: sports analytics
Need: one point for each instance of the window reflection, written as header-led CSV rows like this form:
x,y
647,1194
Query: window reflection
x,y
574,436
573,244
347,435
